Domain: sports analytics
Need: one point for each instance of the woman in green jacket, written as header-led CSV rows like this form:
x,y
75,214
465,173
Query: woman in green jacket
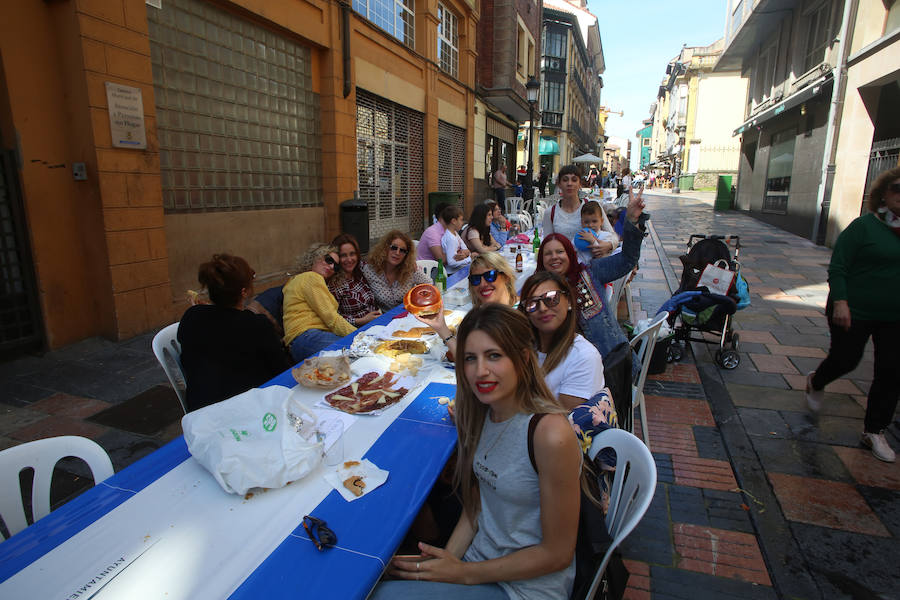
x,y
864,284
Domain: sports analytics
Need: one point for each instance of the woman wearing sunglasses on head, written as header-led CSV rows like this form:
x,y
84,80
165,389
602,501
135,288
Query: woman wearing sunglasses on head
x,y
226,350
311,319
391,271
596,318
491,279
518,472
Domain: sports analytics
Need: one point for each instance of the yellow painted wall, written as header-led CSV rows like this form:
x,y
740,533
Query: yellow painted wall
x,y
108,260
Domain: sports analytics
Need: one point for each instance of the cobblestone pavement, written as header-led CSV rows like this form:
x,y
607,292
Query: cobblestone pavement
x,y
755,499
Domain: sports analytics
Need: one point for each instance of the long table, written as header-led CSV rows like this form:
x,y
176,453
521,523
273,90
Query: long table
x,y
192,544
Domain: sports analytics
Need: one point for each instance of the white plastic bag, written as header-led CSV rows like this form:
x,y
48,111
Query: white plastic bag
x,y
717,278
261,438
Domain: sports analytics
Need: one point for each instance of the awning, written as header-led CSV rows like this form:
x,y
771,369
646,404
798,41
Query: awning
x,y
548,146
810,91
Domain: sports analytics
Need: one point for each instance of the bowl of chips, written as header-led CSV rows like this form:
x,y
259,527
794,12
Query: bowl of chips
x,y
324,372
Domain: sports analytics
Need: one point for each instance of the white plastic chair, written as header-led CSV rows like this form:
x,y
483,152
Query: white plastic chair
x,y
426,266
632,489
643,345
168,353
42,456
621,286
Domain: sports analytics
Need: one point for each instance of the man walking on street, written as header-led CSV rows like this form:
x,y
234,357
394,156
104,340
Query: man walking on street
x,y
499,183
542,181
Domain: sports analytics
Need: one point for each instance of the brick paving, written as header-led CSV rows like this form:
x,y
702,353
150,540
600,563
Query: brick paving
x,y
755,499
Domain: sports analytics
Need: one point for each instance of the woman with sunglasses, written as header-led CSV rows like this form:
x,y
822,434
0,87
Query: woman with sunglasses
x,y
491,279
572,366
226,350
516,535
391,271
311,319
596,318
356,302
863,287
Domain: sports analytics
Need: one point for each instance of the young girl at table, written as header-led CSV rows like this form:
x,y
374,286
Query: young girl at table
x,y
453,246
226,350
516,536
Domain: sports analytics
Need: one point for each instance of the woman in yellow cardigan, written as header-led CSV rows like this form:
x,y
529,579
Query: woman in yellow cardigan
x,y
311,319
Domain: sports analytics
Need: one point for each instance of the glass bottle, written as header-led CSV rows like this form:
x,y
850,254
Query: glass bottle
x,y
440,280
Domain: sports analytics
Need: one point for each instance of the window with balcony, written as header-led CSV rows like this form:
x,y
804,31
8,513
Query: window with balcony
x,y
737,16
764,78
397,17
448,41
816,25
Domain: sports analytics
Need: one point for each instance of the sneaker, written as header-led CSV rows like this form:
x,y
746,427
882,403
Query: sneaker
x,y
880,448
814,398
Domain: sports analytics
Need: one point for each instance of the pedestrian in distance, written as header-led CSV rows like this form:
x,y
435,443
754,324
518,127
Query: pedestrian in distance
x,y
498,184
864,284
543,177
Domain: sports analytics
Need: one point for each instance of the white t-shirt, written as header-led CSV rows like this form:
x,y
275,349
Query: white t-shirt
x,y
580,373
566,223
451,243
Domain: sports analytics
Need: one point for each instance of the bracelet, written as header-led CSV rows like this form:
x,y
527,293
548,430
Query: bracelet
x,y
448,338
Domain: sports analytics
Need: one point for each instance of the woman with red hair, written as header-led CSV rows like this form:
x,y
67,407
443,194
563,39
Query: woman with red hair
x,y
596,318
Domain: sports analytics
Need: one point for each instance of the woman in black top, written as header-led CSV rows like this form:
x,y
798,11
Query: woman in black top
x,y
226,350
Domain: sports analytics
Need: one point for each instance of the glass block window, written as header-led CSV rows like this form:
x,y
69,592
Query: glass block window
x,y
448,41
390,158
397,17
451,158
238,123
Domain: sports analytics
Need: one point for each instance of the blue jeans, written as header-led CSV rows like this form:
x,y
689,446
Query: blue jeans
x,y
433,590
500,197
311,341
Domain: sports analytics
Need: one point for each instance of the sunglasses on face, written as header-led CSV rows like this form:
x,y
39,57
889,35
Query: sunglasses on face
x,y
399,249
550,299
319,533
894,187
329,261
489,276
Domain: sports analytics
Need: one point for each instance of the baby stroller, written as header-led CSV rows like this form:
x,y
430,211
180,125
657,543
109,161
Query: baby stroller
x,y
701,310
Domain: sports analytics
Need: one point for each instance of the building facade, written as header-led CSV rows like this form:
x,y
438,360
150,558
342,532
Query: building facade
x,y
692,118
788,57
139,139
571,65
644,138
508,34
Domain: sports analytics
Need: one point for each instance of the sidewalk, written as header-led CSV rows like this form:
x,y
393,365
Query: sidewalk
x,y
756,499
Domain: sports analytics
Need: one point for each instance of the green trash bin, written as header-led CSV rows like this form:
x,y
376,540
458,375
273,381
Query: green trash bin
x,y
355,221
435,198
686,182
724,197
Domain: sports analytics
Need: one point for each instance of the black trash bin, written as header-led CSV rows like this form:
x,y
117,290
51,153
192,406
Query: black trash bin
x,y
355,221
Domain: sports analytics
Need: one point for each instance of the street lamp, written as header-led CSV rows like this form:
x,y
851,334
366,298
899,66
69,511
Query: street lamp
x,y
531,88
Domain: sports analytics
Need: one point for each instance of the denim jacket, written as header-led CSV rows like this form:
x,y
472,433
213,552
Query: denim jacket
x,y
596,318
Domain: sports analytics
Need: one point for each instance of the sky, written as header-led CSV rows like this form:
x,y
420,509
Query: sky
x,y
639,39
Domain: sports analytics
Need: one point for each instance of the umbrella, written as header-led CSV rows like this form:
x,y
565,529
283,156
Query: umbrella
x,y
587,158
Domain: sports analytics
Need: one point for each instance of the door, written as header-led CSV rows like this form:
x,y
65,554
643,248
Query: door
x,y
21,329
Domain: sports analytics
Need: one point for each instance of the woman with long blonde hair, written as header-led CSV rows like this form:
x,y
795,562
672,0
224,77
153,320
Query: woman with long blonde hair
x,y
518,473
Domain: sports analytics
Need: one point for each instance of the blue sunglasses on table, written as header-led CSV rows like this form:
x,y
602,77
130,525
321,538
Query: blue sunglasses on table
x,y
489,276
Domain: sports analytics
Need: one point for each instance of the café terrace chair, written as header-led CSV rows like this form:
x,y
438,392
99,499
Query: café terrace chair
x,y
168,352
41,456
634,483
643,345
620,287
429,267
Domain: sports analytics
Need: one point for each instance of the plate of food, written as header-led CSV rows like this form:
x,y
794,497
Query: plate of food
x,y
323,372
368,394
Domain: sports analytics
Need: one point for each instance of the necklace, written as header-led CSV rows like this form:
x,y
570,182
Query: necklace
x,y
500,435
